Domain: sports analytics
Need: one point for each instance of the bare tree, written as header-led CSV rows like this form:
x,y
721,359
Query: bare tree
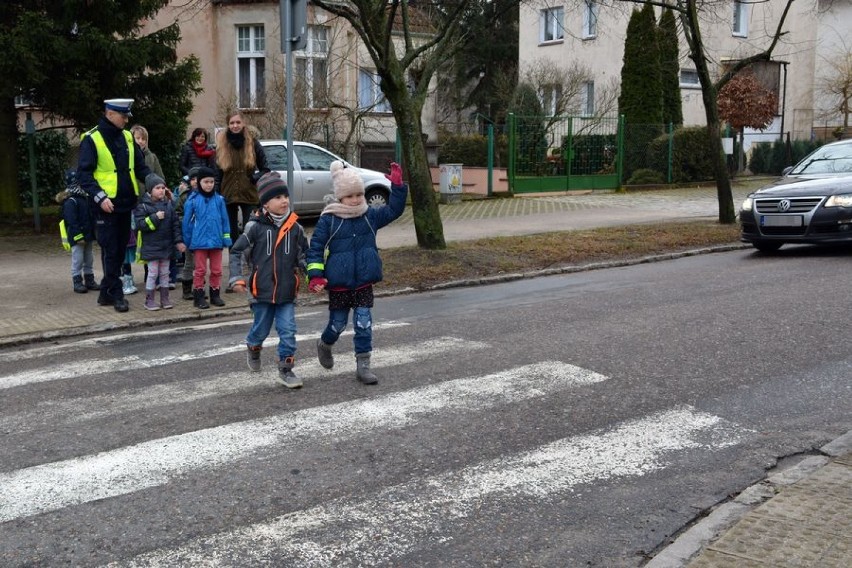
x,y
693,14
407,46
835,84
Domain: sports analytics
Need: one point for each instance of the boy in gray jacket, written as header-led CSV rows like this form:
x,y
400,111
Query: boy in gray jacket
x,y
276,264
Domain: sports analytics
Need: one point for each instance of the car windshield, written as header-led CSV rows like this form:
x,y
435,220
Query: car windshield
x,y
828,160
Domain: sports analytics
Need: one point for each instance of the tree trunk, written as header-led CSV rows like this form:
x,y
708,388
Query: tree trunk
x,y
424,205
10,199
709,92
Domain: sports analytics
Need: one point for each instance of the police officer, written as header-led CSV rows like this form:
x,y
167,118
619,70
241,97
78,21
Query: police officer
x,y
110,165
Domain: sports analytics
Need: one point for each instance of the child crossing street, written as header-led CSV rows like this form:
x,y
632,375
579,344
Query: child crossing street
x,y
277,261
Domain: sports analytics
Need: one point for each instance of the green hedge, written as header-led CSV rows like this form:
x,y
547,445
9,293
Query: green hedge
x,y
691,157
772,157
472,150
51,157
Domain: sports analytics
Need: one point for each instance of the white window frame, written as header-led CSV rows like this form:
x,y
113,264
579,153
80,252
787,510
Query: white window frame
x,y
552,24
591,9
685,79
739,24
314,55
251,47
370,95
550,96
588,105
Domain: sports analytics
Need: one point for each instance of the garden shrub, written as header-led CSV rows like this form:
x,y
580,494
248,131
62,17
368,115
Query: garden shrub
x,y
51,156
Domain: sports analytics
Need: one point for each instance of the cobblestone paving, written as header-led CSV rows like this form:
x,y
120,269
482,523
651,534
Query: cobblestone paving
x,y
690,201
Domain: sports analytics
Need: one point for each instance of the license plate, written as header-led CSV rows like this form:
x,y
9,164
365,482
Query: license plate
x,y
780,220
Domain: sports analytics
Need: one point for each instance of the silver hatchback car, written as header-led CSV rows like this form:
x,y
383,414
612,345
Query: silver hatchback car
x,y
312,178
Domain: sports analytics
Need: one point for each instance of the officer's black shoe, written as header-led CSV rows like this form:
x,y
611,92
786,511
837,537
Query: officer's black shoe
x,y
121,305
104,300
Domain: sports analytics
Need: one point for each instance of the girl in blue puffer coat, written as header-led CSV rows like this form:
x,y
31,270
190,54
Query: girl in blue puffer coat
x,y
206,231
343,258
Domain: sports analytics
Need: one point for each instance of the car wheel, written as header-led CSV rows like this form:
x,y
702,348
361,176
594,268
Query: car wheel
x,y
376,198
767,246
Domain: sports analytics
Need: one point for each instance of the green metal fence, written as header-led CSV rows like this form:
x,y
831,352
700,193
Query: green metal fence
x,y
564,153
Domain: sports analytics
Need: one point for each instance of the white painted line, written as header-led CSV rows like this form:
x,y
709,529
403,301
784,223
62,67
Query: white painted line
x,y
92,367
51,350
424,512
50,487
63,412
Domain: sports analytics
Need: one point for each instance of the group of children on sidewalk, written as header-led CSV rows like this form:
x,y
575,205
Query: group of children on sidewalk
x,y
267,261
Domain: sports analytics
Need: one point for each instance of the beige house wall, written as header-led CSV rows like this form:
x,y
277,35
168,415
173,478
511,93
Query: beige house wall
x,y
208,31
603,55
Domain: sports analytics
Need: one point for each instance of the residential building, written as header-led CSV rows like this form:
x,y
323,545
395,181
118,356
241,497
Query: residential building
x,y
337,100
592,33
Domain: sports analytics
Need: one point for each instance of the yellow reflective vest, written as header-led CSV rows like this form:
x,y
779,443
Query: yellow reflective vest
x,y
105,173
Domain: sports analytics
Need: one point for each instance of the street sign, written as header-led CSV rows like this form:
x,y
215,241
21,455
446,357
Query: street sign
x,y
294,24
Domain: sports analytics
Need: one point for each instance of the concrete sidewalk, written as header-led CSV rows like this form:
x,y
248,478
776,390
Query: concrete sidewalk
x,y
35,278
798,518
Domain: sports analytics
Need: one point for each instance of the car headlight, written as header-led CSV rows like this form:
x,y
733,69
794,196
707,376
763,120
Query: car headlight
x,y
747,204
842,200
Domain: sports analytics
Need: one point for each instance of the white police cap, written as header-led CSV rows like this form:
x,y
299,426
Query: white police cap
x,y
119,105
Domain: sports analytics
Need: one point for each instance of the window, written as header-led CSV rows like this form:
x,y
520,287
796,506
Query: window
x,y
551,26
689,79
740,24
370,96
590,19
588,108
551,98
312,68
251,65
313,159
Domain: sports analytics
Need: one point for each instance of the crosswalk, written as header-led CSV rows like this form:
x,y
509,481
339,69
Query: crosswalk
x,y
416,512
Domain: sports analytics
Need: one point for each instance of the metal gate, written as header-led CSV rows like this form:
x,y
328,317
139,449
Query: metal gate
x,y
564,153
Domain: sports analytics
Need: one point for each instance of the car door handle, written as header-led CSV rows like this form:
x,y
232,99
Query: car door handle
x,y
308,180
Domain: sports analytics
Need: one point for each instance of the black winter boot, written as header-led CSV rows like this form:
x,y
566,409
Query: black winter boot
x,y
79,287
200,302
215,298
187,290
90,282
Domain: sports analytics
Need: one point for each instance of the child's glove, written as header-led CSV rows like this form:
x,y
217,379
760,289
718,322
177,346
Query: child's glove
x,y
395,175
317,284
227,242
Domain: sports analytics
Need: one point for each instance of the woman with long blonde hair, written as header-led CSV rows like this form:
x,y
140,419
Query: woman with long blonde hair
x,y
241,161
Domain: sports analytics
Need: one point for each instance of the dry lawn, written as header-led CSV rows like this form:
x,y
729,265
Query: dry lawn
x,y
419,269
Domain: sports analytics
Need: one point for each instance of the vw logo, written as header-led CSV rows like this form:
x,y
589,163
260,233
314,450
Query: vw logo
x,y
784,205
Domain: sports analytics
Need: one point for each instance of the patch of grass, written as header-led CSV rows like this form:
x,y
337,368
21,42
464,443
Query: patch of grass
x,y
416,268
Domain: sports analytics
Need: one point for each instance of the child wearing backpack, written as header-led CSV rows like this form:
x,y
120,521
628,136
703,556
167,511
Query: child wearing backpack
x,y
275,245
78,233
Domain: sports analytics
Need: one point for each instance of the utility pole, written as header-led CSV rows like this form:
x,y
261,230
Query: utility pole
x,y
294,36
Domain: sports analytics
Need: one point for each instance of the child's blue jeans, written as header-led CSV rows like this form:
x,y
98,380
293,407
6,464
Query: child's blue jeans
x,y
362,321
284,317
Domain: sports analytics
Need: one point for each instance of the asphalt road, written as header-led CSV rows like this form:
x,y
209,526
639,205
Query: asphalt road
x,y
578,420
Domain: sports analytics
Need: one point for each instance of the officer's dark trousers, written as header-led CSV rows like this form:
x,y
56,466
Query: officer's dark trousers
x,y
113,232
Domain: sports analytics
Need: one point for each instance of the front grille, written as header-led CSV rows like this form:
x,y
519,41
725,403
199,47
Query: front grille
x,y
797,204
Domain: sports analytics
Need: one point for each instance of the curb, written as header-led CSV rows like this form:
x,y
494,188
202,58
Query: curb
x,y
724,516
14,340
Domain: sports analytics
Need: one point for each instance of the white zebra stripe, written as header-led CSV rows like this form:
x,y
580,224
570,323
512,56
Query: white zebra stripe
x,y
423,512
50,487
